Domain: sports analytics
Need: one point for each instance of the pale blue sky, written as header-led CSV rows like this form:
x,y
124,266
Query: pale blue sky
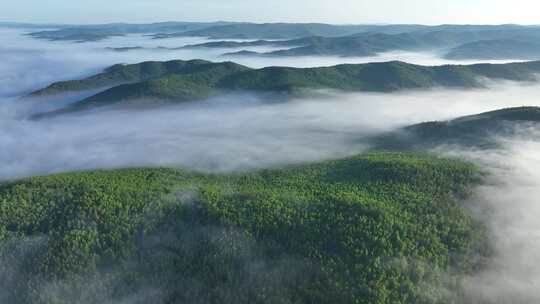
x,y
330,11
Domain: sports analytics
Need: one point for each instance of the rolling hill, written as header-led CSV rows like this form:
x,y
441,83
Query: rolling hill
x,y
133,73
287,30
477,131
454,34
524,49
181,81
460,43
355,45
310,39
220,30
375,228
84,33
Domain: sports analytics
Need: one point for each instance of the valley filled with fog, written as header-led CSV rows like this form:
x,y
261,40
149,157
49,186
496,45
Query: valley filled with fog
x,y
249,131
244,131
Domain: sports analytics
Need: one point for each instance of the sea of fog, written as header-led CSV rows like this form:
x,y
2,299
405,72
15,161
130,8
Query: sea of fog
x,y
242,132
29,63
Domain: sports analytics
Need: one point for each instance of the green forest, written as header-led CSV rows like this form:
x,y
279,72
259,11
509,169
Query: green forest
x,y
180,81
481,131
382,227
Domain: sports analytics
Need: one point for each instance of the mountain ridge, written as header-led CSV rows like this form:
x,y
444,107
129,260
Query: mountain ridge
x,y
182,81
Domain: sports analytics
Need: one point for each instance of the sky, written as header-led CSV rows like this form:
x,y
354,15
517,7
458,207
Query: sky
x,y
328,11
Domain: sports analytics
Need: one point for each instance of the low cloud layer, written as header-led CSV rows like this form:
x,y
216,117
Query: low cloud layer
x,y
228,133
242,132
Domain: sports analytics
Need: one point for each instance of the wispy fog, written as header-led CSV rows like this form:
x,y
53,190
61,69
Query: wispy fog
x,y
509,203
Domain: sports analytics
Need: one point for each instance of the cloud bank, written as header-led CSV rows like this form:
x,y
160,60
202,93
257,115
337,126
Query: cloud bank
x,y
228,133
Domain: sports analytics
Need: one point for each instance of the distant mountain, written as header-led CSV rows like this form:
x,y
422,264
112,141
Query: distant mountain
x,y
221,30
355,45
288,30
358,45
83,33
464,35
455,44
480,131
468,43
442,33
310,39
236,44
526,49
179,81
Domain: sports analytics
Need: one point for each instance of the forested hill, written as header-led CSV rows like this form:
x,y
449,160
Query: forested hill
x,y
478,131
180,81
133,73
376,228
524,49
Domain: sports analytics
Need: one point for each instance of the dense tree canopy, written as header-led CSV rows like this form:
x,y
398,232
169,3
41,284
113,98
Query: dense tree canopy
x,y
376,228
